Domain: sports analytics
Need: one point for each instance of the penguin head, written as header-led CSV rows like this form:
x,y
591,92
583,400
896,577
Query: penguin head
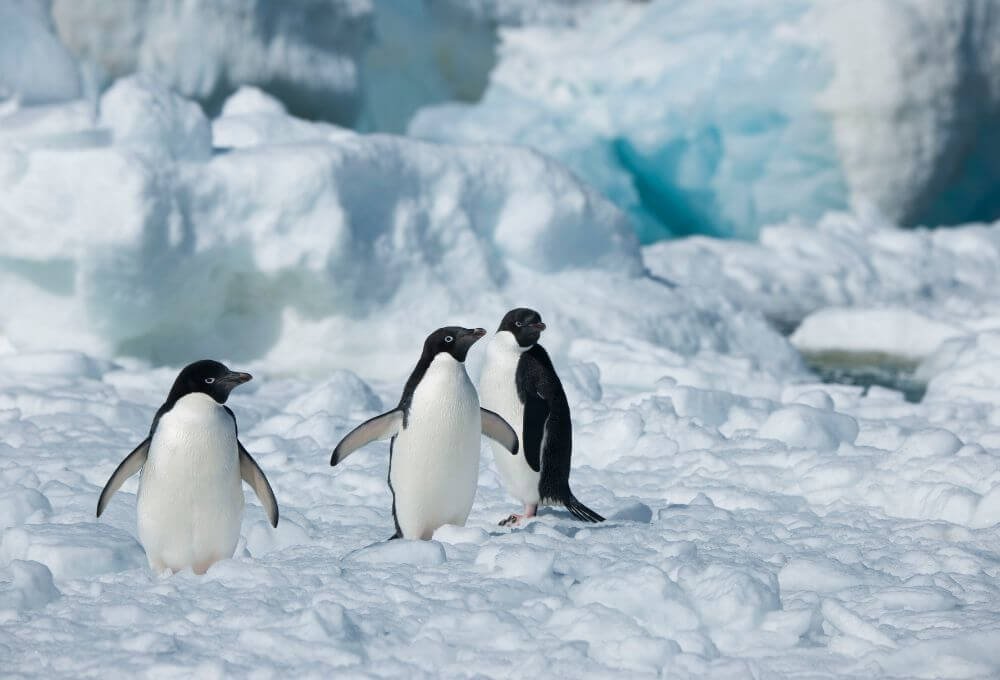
x,y
524,324
453,340
208,377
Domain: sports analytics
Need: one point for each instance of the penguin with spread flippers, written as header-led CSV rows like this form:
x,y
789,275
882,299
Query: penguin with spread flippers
x,y
190,500
520,384
435,435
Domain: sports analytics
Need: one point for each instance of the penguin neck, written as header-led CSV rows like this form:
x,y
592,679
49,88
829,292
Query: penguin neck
x,y
430,364
504,341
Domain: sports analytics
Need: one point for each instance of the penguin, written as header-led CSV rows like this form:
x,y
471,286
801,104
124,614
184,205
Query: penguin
x,y
520,384
190,500
435,438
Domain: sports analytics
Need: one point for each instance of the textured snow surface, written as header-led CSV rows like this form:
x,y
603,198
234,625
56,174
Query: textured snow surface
x,y
814,531
723,117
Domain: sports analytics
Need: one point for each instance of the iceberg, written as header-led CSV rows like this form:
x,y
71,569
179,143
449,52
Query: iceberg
x,y
306,53
721,118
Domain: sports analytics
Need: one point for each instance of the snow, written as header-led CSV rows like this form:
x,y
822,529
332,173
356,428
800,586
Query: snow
x,y
721,118
761,523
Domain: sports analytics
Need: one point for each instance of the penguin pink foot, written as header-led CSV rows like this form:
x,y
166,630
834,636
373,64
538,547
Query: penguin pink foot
x,y
515,519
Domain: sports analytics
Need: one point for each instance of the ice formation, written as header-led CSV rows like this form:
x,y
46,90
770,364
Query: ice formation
x,y
306,52
424,53
369,227
35,67
726,117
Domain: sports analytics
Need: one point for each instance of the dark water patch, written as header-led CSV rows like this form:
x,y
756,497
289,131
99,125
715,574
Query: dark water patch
x,y
865,369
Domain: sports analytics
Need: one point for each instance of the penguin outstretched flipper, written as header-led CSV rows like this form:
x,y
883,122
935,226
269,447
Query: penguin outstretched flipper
x,y
132,464
382,426
251,473
497,429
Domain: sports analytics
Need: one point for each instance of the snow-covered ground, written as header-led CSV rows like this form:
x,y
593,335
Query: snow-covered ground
x,y
813,531
761,524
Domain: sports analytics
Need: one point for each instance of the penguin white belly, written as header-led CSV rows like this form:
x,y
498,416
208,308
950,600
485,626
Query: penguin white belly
x,y
190,500
435,458
498,392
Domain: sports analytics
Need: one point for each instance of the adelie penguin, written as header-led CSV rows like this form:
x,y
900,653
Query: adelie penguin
x,y
190,500
435,437
520,384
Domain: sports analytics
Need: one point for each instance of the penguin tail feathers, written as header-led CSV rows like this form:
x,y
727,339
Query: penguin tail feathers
x,y
581,511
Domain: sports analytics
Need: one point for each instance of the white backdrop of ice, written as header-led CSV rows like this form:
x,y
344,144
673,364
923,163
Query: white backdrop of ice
x,y
723,117
302,254
424,53
306,52
35,67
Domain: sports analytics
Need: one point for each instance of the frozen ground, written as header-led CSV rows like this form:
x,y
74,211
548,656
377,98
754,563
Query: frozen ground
x,y
817,532
760,525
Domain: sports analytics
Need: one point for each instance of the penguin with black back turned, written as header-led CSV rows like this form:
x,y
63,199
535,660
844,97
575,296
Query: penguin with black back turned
x,y
190,500
435,435
520,384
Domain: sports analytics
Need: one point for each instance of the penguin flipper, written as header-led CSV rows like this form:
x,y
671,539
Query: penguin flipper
x,y
133,463
380,427
499,430
251,473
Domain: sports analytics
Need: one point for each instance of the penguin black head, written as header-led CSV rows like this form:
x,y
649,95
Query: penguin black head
x,y
524,324
453,340
208,377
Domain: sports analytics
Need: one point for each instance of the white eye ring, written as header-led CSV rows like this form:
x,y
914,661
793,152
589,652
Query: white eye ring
x,y
448,338
210,380
518,324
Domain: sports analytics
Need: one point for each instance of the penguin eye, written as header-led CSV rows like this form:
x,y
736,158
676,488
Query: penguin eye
x,y
210,380
518,324
448,338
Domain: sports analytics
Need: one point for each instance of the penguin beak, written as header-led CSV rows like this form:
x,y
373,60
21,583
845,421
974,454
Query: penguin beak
x,y
235,378
538,326
479,332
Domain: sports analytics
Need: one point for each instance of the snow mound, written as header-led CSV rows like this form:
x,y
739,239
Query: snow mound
x,y
35,68
143,115
31,586
722,118
899,332
72,550
305,53
800,425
